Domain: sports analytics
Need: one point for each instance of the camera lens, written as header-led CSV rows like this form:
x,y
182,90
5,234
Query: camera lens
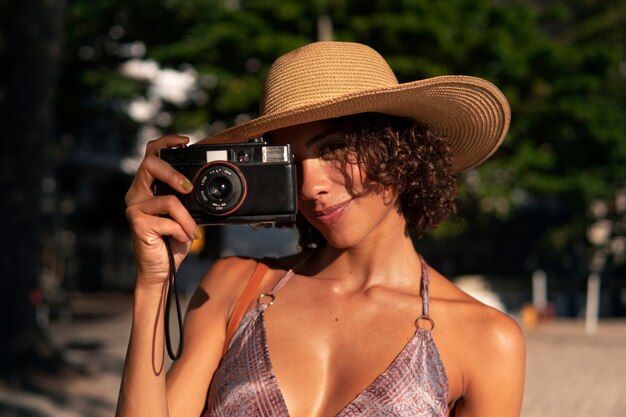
x,y
220,187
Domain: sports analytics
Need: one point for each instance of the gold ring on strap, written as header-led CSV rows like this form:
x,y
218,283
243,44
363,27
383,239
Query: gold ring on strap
x,y
425,317
272,296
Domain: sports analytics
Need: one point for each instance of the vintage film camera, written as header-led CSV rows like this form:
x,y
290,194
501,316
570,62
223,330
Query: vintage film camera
x,y
250,182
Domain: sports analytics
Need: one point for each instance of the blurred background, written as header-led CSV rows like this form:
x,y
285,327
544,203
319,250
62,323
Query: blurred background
x,y
541,228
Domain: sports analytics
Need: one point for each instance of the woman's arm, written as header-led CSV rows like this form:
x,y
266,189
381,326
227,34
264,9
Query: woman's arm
x,y
205,327
145,390
187,382
142,391
143,386
494,381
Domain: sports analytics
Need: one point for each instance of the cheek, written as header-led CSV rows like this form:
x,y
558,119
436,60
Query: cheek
x,y
323,170
357,179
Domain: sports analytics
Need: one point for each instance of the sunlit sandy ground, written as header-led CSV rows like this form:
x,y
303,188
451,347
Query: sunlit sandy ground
x,y
571,374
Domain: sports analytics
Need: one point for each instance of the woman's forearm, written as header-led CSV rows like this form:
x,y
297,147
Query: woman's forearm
x,y
143,388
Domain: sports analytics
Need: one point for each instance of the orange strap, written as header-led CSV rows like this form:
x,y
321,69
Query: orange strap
x,y
244,301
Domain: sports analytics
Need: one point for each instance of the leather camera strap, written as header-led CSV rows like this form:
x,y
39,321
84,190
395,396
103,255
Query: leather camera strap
x,y
248,294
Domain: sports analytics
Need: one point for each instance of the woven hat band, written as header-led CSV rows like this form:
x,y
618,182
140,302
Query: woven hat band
x,y
321,72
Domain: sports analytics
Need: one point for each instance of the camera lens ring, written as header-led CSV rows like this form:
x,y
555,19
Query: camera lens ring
x,y
219,177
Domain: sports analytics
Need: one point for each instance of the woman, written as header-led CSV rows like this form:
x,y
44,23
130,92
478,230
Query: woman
x,y
349,323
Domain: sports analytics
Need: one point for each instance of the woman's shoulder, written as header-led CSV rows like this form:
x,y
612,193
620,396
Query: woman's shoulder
x,y
494,330
229,269
490,331
478,320
481,345
288,262
229,275
226,278
495,334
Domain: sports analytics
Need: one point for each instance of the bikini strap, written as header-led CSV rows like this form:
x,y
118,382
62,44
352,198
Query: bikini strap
x,y
252,288
271,296
425,282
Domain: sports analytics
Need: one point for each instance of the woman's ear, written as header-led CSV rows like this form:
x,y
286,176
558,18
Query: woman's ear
x,y
390,196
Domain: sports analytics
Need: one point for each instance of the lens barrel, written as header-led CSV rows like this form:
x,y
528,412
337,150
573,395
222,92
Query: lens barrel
x,y
220,188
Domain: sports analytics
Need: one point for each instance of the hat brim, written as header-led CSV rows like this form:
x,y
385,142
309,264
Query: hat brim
x,y
470,112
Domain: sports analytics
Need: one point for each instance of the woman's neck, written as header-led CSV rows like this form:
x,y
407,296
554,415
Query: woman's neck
x,y
387,259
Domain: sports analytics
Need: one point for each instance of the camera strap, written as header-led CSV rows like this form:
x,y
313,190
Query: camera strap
x,y
173,292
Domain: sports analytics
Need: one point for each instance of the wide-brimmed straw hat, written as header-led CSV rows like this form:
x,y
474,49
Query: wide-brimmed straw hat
x,y
325,80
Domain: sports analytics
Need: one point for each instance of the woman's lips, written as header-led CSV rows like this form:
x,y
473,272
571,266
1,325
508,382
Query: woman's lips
x,y
332,214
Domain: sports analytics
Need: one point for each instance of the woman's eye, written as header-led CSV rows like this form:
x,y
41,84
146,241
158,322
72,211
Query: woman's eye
x,y
332,150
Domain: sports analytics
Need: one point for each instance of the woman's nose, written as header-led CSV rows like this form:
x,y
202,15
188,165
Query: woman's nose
x,y
314,180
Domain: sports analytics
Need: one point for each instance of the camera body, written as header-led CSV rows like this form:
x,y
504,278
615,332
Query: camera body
x,y
250,182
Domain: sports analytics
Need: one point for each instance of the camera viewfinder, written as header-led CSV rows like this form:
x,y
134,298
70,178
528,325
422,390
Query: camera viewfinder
x,y
244,155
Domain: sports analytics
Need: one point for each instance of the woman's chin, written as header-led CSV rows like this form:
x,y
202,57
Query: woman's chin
x,y
340,242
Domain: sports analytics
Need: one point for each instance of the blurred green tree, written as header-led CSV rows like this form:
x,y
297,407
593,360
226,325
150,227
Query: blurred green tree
x,y
561,64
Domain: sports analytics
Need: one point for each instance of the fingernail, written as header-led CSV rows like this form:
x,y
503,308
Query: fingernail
x,y
186,184
197,233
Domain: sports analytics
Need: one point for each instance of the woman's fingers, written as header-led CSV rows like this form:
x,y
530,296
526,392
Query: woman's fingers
x,y
148,232
151,257
153,168
170,141
151,217
147,216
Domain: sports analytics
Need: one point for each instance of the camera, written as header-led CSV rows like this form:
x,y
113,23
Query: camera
x,y
250,182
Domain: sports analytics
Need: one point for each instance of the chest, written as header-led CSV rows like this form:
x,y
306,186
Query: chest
x,y
323,358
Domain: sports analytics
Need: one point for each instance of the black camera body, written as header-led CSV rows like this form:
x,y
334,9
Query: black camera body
x,y
237,183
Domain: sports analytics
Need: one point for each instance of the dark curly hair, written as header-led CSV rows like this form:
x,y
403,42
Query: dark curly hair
x,y
404,155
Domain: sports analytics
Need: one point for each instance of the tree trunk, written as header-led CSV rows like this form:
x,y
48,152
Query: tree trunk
x,y
31,61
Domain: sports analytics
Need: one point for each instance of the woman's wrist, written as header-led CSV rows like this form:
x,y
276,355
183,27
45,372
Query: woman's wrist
x,y
149,295
151,275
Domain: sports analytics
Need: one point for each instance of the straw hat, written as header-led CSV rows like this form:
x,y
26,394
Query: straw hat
x,y
324,80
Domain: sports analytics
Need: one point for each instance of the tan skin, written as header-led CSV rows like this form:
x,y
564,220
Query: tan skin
x,y
336,325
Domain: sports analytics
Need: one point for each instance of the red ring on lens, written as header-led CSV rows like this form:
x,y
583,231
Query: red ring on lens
x,y
244,188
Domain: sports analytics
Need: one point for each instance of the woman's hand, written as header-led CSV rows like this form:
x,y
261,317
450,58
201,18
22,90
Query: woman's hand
x,y
152,217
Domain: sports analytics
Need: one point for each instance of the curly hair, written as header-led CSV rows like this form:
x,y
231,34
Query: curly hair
x,y
403,155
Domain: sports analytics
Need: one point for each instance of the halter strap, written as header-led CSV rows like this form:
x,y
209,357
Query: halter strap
x,y
281,283
271,295
424,286
249,293
425,282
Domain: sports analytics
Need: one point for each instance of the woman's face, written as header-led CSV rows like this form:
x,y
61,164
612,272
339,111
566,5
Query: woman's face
x,y
342,203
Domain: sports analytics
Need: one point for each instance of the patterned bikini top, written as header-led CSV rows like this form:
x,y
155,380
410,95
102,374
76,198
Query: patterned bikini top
x,y
414,384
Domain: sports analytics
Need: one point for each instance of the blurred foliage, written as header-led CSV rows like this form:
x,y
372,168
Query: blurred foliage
x,y
560,63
